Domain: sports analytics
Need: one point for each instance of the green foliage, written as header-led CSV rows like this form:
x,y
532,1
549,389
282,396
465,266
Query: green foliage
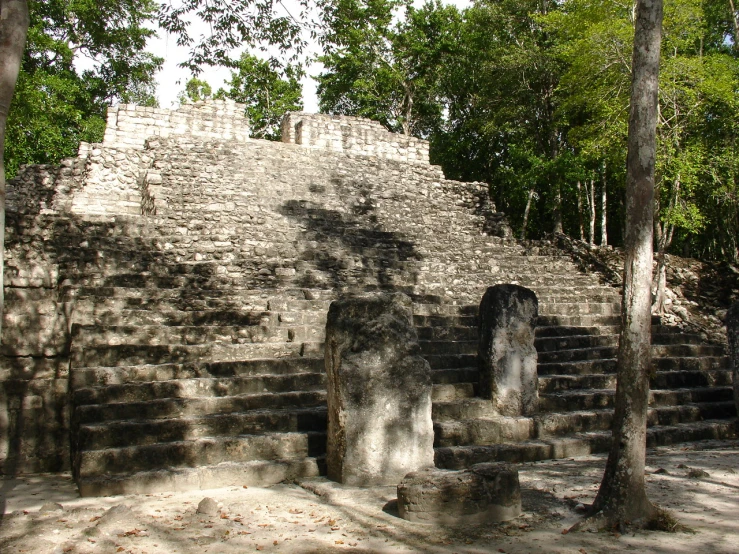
x,y
196,90
386,69
252,23
56,104
267,93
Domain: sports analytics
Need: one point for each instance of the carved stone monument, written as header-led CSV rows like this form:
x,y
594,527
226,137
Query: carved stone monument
x,y
483,494
379,392
506,353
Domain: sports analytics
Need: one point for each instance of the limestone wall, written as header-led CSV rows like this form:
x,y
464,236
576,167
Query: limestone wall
x,y
129,125
34,365
352,135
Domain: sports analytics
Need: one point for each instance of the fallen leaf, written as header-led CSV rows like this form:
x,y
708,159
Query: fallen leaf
x,y
94,518
338,542
565,531
274,542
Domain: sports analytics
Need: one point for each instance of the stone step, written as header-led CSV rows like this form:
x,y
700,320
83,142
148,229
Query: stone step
x,y
103,317
440,348
579,320
496,429
127,354
556,331
449,392
205,451
561,309
452,333
581,444
451,361
116,434
570,342
206,387
582,367
661,380
452,376
227,474
604,398
266,330
167,408
578,354
688,363
102,376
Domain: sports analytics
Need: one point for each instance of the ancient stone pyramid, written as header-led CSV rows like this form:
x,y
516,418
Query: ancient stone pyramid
x,y
167,293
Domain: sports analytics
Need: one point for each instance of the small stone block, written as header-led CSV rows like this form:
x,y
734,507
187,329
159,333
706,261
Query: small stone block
x,y
485,493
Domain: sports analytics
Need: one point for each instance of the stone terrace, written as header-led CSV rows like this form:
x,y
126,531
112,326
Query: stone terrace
x,y
182,345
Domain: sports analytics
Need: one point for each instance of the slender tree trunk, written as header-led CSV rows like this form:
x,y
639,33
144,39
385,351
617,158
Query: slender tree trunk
x,y
14,22
664,240
579,210
735,21
590,196
622,496
558,210
526,214
603,217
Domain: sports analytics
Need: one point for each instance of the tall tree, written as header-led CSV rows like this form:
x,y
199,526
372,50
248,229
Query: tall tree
x,y
267,92
383,60
81,56
14,21
622,495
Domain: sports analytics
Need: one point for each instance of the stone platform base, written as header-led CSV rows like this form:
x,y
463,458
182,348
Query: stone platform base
x,y
484,493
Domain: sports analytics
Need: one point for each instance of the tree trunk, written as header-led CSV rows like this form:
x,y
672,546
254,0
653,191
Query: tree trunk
x,y
622,496
603,217
579,210
526,214
14,22
664,240
557,210
590,195
735,21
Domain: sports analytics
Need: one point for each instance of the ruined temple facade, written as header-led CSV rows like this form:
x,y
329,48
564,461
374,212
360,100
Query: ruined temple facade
x,y
167,291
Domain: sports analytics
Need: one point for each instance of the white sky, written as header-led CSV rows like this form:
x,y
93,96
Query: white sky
x,y
171,79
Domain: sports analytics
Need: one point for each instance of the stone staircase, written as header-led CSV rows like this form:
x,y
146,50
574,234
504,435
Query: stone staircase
x,y
196,348
184,379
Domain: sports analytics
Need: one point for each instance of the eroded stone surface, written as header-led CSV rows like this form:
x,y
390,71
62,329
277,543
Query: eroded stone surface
x,y
484,493
379,392
507,356
732,336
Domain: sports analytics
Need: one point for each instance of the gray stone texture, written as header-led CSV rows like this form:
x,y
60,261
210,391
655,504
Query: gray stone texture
x,y
732,336
507,357
379,392
485,493
352,135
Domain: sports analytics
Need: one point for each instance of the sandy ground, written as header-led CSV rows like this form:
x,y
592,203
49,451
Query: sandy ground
x,y
699,483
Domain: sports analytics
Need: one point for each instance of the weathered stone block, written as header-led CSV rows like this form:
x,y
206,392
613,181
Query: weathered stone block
x,y
506,353
732,335
484,493
379,392
34,323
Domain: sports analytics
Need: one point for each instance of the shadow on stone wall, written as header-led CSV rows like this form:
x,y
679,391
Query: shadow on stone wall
x,y
350,251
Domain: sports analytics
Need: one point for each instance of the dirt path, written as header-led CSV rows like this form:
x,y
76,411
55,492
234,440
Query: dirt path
x,y
699,483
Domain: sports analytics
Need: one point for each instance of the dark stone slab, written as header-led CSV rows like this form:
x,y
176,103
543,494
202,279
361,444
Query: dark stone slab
x,y
379,392
507,357
484,493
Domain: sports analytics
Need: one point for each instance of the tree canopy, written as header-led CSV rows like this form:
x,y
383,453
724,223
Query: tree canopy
x,y
80,57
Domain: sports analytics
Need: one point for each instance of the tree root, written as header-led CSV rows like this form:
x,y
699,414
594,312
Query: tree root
x,y
655,519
